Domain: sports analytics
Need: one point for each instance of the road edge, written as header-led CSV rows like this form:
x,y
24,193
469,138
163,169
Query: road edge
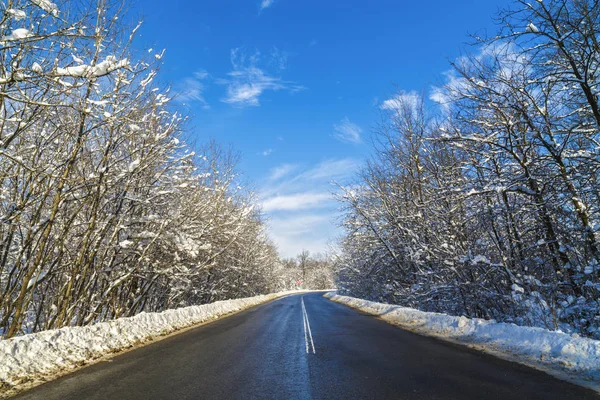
x,y
24,382
508,354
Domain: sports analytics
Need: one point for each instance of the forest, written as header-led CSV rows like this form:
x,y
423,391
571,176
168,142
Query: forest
x,y
486,203
105,210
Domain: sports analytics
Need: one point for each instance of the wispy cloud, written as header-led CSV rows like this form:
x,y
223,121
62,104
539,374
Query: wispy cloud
x,y
192,89
305,231
300,203
247,82
298,225
508,60
331,170
266,4
440,96
279,59
201,74
401,100
281,171
347,131
266,152
308,179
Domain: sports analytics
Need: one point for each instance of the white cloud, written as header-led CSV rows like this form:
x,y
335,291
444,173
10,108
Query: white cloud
x,y
279,59
244,94
347,131
303,223
302,231
437,95
318,177
298,201
281,171
247,82
191,89
201,74
440,96
300,204
508,61
331,170
266,4
401,100
267,152
443,95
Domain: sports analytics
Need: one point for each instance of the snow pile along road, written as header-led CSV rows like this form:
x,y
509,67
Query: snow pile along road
x,y
567,357
32,359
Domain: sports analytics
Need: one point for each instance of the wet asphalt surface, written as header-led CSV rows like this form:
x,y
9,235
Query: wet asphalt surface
x,y
261,354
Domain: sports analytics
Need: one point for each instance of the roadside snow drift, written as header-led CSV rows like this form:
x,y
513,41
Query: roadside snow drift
x,y
31,359
567,357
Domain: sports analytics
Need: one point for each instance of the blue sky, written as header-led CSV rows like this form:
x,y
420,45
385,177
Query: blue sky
x,y
297,86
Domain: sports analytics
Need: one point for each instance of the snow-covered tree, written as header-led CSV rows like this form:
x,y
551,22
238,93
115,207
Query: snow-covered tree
x,y
488,206
104,210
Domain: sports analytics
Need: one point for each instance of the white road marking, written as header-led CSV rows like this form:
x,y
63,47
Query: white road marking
x,y
307,328
305,333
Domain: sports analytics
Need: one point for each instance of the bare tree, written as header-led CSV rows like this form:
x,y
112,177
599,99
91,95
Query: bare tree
x,y
489,206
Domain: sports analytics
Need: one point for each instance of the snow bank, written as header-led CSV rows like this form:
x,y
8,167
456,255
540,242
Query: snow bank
x,y
567,357
32,359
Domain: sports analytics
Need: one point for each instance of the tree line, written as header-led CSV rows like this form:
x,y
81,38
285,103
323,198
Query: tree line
x,y
487,204
105,211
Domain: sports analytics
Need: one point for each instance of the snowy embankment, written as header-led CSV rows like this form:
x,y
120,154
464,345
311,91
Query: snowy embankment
x,y
32,359
567,357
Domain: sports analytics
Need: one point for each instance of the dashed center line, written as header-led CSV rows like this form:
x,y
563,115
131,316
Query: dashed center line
x,y
307,331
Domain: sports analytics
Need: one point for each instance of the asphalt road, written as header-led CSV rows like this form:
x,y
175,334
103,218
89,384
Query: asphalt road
x,y
267,353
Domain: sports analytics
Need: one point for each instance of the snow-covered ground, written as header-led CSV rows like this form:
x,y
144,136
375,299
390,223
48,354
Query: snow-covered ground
x,y
32,359
567,357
